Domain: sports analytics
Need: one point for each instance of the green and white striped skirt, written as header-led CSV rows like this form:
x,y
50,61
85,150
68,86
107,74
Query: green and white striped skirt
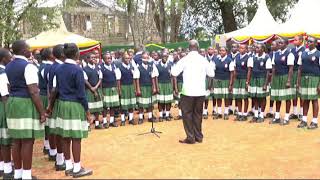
x,y
309,85
52,121
4,135
166,93
95,104
214,84
221,89
256,88
294,83
146,100
279,92
239,89
23,119
128,98
45,102
110,97
71,120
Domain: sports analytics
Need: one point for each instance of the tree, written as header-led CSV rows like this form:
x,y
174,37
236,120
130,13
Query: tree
x,y
219,16
16,12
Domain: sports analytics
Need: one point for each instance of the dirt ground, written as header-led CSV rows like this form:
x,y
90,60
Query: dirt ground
x,y
230,150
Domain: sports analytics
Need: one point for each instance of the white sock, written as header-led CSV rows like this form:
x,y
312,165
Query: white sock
x,y
18,173
259,109
219,110
97,123
304,119
46,144
240,113
60,159
245,114
123,118
161,114
176,102
253,109
7,168
214,108
256,113
271,110
1,165
104,120
230,107
140,116
53,152
180,112
226,110
277,115
205,111
295,110
26,174
237,109
167,113
76,167
69,164
130,116
111,119
286,117
149,115
315,120
301,110
261,115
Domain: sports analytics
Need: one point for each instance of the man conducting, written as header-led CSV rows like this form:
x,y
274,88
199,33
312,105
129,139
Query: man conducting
x,y
195,69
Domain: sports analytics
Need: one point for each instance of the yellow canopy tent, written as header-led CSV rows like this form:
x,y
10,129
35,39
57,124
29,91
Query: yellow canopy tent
x,y
60,36
260,29
303,20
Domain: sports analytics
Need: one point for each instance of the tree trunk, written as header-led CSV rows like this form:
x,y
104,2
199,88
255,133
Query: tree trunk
x,y
175,14
162,21
229,21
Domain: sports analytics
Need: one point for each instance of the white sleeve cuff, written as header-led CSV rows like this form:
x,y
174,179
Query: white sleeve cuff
x,y
31,74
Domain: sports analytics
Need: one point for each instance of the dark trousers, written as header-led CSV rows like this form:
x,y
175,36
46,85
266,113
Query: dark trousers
x,y
192,108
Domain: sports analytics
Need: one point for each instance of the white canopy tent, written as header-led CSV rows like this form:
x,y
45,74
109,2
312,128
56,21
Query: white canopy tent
x,y
261,28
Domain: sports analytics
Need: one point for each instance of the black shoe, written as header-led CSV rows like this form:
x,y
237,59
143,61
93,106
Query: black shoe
x,y
8,175
45,151
214,114
114,124
238,118
269,115
235,112
219,116
293,116
178,118
123,123
187,141
300,117
52,158
275,121
132,122
82,172
284,123
226,117
313,126
303,124
254,120
260,120
199,140
1,173
68,172
98,127
60,167
205,116
140,121
250,113
244,118
106,125
168,118
230,112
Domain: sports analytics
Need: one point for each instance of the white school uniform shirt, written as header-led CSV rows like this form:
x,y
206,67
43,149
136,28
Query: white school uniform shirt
x,y
268,63
135,70
290,59
195,70
4,82
30,72
154,73
116,70
92,67
309,52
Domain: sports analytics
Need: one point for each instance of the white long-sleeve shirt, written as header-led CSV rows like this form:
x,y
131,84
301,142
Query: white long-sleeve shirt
x,y
195,69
